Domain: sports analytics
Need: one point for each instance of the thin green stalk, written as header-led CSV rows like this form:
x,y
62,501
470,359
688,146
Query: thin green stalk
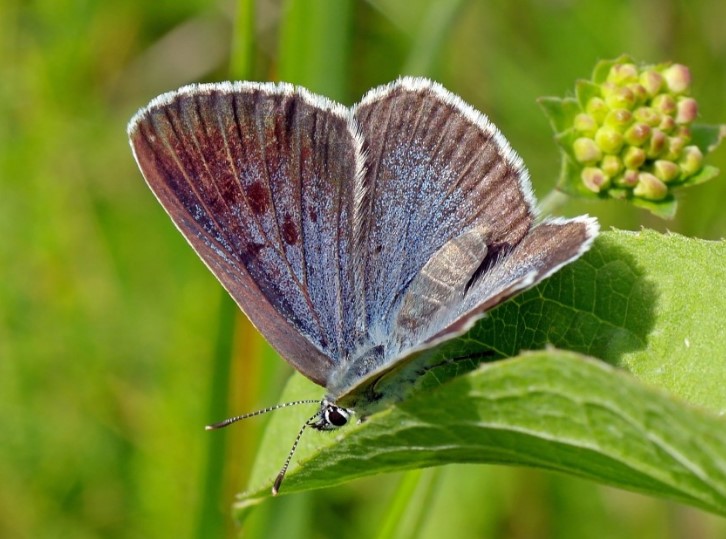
x,y
241,63
211,520
314,51
433,32
401,500
411,504
315,39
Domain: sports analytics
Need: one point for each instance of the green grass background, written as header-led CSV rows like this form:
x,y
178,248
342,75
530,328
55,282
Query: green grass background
x,y
117,345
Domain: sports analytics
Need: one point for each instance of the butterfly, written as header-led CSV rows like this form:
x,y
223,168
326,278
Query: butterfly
x,y
354,239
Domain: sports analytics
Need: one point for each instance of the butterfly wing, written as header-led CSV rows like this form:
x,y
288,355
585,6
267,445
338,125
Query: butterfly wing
x,y
436,168
545,249
260,178
449,226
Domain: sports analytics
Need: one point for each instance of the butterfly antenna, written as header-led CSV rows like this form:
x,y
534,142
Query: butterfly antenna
x,y
229,421
283,471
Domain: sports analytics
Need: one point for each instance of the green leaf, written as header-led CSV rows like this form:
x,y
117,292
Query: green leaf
x,y
560,112
648,302
555,410
585,90
569,181
641,301
705,174
665,209
707,137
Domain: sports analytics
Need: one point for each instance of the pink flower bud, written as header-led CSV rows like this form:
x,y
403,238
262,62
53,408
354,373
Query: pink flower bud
x,y
687,110
674,148
656,144
666,171
611,165
650,187
586,151
692,160
637,134
634,157
623,73
618,118
652,81
585,124
678,78
647,115
620,98
640,93
594,179
629,178
667,124
665,104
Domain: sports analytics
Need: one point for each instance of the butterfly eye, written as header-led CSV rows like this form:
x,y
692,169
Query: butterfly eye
x,y
336,416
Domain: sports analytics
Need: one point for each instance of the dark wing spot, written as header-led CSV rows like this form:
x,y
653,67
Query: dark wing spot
x,y
493,256
257,196
252,250
289,231
313,215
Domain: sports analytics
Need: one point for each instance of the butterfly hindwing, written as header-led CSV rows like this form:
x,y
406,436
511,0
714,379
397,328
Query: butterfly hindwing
x,y
545,249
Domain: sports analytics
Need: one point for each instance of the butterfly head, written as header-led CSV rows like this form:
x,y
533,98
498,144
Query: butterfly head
x,y
330,416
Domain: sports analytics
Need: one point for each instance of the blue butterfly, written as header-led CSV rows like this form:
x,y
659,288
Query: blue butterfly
x,y
355,238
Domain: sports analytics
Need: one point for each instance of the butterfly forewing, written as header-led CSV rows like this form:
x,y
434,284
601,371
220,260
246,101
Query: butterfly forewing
x,y
260,180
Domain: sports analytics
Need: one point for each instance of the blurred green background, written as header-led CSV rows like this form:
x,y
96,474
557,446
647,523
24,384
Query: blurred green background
x,y
117,345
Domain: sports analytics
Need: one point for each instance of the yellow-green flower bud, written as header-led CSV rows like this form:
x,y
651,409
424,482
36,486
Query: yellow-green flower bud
x,y
609,140
650,187
618,118
585,124
656,144
627,135
611,165
633,157
629,178
647,115
652,81
586,151
666,171
678,78
619,98
667,124
597,108
687,110
674,148
637,134
594,179
692,161
684,132
623,73
665,104
640,93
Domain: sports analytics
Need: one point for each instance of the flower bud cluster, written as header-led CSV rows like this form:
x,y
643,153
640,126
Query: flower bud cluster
x,y
634,134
